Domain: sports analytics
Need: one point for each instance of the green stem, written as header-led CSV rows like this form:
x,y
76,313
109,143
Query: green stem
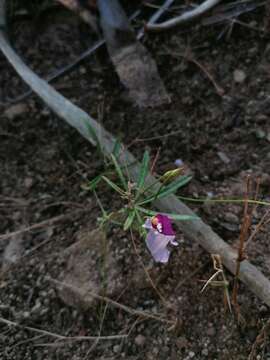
x,y
250,201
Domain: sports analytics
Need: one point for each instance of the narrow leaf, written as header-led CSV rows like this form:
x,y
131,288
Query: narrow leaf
x,y
113,185
92,184
171,216
116,148
119,172
167,190
143,172
129,220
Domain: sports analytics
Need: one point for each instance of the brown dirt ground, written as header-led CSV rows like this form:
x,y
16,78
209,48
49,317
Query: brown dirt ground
x,y
43,164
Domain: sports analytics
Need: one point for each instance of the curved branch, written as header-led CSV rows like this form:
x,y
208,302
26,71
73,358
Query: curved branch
x,y
184,18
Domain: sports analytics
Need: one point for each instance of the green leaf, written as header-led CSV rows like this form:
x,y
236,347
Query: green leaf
x,y
92,184
113,185
116,148
93,134
143,172
119,172
171,216
167,190
141,229
129,220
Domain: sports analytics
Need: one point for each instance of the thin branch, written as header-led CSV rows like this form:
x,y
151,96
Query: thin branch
x,y
154,18
261,338
43,224
184,18
62,337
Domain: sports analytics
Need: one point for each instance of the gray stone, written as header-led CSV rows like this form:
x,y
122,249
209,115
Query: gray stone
x,y
239,76
205,352
140,340
91,271
231,218
15,111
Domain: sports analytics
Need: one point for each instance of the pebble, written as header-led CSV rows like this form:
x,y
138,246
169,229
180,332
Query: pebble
x,y
260,134
223,157
205,352
116,348
239,76
15,110
179,163
211,331
231,218
191,354
140,340
26,314
263,309
265,179
36,308
28,182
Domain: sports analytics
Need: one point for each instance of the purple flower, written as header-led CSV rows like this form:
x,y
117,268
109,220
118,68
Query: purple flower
x,y
160,234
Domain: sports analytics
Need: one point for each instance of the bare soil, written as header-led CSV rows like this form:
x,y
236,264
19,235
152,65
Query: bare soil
x,y
44,163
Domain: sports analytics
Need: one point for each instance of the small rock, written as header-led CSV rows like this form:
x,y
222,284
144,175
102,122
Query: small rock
x,y
26,314
28,182
140,340
265,180
223,157
191,354
263,309
116,349
205,352
83,70
179,163
13,251
16,216
229,226
231,218
36,308
239,76
182,343
83,274
211,331
15,110
260,134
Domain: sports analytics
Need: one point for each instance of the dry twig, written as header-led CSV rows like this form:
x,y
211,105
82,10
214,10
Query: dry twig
x,y
43,224
260,339
188,16
62,337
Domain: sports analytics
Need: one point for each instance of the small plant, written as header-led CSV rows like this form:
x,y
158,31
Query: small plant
x,y
135,196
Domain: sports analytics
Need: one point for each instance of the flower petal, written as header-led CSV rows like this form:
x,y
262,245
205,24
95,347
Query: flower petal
x,y
157,244
166,224
148,224
174,243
